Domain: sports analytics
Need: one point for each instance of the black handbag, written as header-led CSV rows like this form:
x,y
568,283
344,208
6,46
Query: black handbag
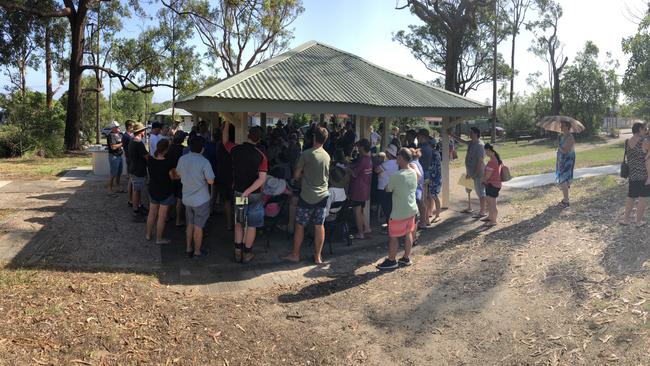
x,y
625,169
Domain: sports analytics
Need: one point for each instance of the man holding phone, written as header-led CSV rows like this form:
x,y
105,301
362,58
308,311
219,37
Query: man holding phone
x,y
248,178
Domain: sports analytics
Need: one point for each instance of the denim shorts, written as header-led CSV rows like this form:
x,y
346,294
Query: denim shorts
x,y
115,164
169,201
138,183
253,211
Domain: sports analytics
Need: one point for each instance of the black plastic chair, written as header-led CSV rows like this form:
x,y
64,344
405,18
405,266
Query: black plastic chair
x,y
337,221
271,223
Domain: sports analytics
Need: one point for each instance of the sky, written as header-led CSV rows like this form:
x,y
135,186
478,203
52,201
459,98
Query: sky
x,y
366,28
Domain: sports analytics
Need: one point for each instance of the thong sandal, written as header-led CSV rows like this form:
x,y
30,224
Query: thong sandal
x,y
466,211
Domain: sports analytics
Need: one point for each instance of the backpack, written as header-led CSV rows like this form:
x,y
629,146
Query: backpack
x,y
505,173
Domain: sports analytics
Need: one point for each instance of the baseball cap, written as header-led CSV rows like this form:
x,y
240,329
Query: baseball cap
x,y
115,124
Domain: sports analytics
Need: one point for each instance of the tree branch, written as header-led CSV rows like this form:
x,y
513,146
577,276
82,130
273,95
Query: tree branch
x,y
126,81
11,6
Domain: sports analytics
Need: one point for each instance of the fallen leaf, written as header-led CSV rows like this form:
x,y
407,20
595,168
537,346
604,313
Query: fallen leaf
x,y
605,338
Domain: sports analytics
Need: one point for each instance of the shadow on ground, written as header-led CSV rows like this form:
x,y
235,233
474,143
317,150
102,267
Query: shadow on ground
x,y
78,226
466,284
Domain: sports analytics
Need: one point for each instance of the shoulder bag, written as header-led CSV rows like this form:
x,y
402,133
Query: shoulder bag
x,y
625,169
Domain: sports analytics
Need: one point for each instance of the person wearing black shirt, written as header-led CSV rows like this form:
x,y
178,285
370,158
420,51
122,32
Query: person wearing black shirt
x,y
138,156
173,154
348,139
126,139
115,151
161,191
249,175
223,172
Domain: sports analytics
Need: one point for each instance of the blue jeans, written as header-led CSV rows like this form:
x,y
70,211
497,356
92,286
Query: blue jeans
x,y
115,164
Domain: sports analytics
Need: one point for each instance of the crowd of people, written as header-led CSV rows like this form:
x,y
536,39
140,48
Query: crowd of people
x,y
321,170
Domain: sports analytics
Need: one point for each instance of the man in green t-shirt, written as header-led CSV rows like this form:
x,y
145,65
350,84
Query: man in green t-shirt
x,y
403,185
313,171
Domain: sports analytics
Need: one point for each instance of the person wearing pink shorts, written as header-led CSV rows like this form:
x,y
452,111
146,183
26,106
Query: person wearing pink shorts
x,y
401,224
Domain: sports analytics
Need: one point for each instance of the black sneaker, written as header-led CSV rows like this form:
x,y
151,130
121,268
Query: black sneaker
x,y
405,262
387,264
129,203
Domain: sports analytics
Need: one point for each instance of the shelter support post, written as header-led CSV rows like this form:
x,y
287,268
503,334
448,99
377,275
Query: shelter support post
x,y
385,140
444,135
363,128
357,122
240,121
263,120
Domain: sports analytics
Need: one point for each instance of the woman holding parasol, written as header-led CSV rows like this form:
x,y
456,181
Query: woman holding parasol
x,y
566,155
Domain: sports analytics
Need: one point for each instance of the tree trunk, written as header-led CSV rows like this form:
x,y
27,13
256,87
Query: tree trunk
x,y
557,105
451,64
73,114
49,94
512,67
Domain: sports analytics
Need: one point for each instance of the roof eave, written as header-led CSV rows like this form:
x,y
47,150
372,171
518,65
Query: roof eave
x,y
206,104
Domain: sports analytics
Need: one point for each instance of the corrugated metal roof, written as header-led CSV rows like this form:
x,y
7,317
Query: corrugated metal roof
x,y
315,72
177,111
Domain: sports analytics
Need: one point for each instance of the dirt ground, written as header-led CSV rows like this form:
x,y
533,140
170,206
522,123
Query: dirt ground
x,y
547,287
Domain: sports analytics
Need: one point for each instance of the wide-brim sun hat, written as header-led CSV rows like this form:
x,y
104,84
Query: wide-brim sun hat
x,y
137,127
392,150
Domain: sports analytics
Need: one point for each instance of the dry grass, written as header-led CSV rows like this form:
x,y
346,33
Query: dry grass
x,y
547,286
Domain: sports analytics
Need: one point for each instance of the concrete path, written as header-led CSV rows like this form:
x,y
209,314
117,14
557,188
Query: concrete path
x,y
532,181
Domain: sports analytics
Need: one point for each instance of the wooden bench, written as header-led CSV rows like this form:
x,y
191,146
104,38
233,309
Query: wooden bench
x,y
523,135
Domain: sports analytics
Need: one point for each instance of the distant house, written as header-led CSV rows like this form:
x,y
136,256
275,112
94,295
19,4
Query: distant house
x,y
186,118
271,118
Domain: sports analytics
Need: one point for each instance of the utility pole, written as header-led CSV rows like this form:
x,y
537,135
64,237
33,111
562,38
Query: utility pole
x,y
494,74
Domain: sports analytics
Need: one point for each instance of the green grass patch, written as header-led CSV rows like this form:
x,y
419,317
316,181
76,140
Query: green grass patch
x,y
511,150
41,168
604,155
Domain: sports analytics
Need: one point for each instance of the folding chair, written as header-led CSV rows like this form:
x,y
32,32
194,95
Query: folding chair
x,y
337,220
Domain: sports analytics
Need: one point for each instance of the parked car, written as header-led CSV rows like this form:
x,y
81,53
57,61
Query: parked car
x,y
106,130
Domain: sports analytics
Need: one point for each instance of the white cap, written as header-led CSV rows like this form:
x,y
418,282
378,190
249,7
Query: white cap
x,y
114,124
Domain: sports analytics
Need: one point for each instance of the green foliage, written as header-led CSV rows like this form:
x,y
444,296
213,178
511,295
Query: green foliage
x,y
589,89
30,126
458,33
239,34
636,81
524,111
300,119
130,105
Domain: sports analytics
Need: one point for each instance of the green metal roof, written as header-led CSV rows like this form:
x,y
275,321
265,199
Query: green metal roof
x,y
318,78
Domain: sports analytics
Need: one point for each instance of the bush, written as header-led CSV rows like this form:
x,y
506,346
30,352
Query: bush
x,y
31,126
